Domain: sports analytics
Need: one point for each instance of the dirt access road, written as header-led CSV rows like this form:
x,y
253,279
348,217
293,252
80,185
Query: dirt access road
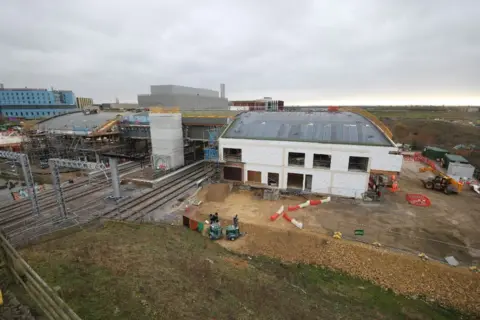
x,y
445,228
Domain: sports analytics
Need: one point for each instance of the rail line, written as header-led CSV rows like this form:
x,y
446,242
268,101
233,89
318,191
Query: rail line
x,y
147,202
17,213
49,195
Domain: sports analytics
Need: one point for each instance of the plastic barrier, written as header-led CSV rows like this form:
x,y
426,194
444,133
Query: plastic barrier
x,y
277,214
293,208
316,202
418,200
308,203
293,221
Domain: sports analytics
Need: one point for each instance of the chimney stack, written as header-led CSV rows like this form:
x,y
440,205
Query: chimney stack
x,y
222,90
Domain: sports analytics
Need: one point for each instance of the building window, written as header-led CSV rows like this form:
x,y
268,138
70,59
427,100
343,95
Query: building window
x,y
294,181
296,159
232,154
322,160
273,179
254,176
21,114
48,112
358,164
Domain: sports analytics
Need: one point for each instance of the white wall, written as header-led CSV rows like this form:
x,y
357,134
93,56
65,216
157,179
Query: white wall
x,y
272,156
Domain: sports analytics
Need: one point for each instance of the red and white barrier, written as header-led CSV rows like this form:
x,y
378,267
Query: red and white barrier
x,y
277,214
316,202
293,221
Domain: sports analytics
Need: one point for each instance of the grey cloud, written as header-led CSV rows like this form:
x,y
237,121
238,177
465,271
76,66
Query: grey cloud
x,y
299,51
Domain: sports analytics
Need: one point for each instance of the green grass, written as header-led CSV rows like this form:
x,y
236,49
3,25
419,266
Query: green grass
x,y
168,272
417,114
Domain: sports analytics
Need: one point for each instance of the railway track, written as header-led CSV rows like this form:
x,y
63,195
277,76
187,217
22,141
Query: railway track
x,y
16,212
50,194
148,202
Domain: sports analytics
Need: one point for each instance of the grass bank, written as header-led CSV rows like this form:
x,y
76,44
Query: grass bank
x,y
126,271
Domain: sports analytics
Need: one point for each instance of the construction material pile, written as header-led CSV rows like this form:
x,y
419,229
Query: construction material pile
x,y
404,274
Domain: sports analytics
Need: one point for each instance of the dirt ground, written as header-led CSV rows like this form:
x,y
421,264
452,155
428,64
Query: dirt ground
x,y
448,227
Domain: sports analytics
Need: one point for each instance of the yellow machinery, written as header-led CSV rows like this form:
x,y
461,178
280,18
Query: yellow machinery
x,y
456,184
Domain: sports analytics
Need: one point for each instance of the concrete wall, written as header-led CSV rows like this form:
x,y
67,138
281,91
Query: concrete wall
x,y
183,101
181,90
272,156
167,140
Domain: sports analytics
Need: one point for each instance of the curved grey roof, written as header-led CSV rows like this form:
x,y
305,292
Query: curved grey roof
x,y
320,127
77,121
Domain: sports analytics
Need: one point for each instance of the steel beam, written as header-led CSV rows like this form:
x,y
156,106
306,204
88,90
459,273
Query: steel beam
x,y
56,164
27,175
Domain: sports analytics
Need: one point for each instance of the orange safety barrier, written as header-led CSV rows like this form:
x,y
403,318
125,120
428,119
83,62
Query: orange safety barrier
x,y
418,200
286,217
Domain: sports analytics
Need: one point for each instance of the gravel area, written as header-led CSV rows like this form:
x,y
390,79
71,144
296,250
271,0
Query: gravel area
x,y
12,309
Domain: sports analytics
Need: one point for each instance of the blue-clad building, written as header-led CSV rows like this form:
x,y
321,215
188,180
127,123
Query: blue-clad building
x,y
29,103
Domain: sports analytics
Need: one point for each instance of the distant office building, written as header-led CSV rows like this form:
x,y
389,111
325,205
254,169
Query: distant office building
x,y
84,102
186,98
27,103
266,104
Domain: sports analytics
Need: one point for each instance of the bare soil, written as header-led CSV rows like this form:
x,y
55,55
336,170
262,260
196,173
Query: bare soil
x,y
445,228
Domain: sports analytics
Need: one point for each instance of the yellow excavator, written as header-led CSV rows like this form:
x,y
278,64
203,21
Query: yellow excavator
x,y
441,181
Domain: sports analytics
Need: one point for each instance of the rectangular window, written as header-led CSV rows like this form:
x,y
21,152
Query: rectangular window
x,y
295,181
232,154
254,176
322,160
358,164
273,179
296,159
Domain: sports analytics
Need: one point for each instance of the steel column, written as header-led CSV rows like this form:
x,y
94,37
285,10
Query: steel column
x,y
115,178
27,175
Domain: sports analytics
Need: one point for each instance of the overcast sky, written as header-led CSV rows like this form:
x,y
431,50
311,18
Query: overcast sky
x,y
303,52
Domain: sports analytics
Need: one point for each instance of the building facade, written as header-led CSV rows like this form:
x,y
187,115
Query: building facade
x,y
84,102
27,103
186,98
265,104
318,152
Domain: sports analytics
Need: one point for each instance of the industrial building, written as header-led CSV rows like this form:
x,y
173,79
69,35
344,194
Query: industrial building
x,y
28,103
265,104
169,139
321,152
186,98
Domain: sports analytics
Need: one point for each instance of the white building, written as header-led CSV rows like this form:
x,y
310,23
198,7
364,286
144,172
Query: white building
x,y
322,152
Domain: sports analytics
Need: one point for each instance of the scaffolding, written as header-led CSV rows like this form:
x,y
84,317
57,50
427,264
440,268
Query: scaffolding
x,y
211,152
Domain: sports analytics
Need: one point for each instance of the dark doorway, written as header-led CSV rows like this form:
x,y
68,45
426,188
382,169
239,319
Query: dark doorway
x,y
233,173
295,181
308,182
